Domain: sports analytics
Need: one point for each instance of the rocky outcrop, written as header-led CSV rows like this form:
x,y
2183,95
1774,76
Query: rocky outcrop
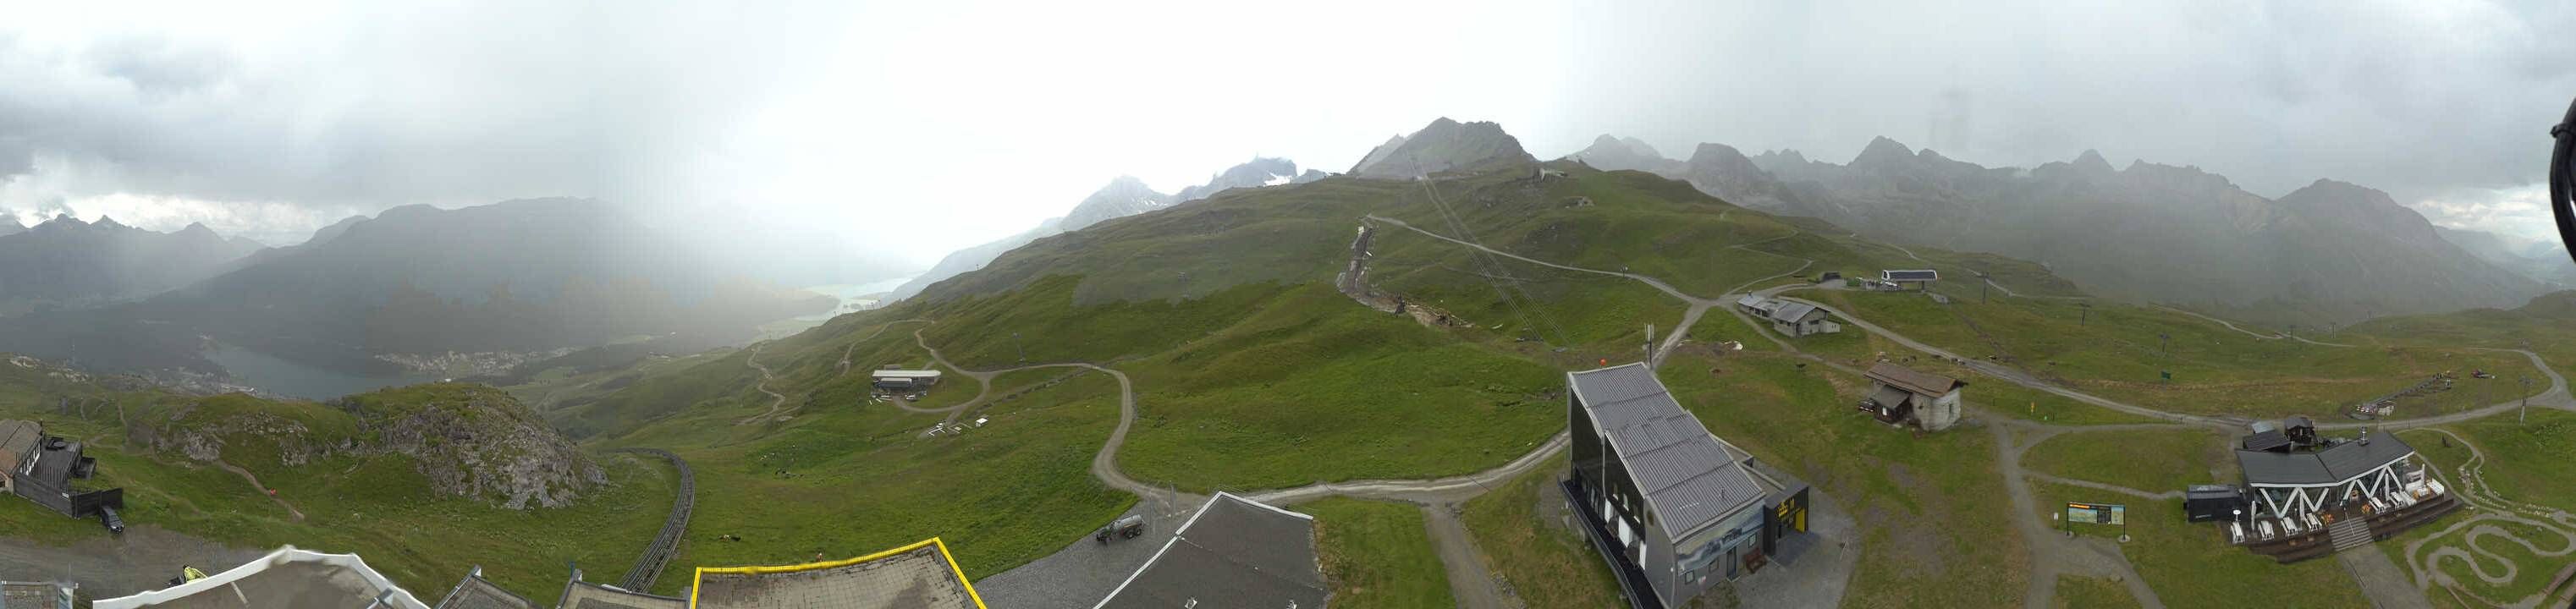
x,y
464,440
474,441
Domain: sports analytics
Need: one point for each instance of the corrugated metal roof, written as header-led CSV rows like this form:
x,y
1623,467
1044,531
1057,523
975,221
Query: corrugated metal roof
x,y
478,593
2330,466
907,374
1888,396
1689,480
1753,301
18,439
1909,379
1792,311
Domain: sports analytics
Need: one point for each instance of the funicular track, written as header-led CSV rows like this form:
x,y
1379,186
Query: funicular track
x,y
657,556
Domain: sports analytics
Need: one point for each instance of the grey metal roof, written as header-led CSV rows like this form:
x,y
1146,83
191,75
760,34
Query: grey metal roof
x,y
478,593
1909,379
1793,311
1687,477
2264,441
1888,396
2333,465
286,579
1909,275
18,440
1234,552
1753,301
585,595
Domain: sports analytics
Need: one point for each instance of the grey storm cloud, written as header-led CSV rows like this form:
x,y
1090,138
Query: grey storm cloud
x,y
454,106
961,114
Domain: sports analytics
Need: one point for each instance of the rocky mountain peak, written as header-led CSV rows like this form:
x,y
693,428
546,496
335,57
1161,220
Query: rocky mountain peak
x,y
1883,153
1444,145
2092,162
1123,196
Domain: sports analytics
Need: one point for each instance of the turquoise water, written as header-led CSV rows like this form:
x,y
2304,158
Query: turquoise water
x,y
288,378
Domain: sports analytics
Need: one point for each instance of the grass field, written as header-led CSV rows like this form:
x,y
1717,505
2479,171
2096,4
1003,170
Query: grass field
x,y
1546,563
1377,555
376,505
1926,540
2120,351
2190,565
2077,592
2154,461
849,481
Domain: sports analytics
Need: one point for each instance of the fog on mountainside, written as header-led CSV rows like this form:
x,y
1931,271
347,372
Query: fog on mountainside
x,y
516,276
1123,196
65,262
2332,252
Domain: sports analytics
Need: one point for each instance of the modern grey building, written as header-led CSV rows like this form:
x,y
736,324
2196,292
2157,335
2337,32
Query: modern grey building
x,y
2357,471
1674,509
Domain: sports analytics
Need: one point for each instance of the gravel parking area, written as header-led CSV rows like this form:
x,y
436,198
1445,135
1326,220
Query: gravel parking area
x,y
1084,571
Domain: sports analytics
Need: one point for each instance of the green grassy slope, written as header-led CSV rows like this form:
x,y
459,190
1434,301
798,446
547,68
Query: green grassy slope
x,y
1377,554
377,505
2118,351
1929,535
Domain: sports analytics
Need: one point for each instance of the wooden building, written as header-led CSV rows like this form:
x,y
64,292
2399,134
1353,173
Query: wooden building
x,y
43,469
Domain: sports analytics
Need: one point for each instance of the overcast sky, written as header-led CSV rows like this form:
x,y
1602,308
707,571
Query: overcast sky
x,y
914,128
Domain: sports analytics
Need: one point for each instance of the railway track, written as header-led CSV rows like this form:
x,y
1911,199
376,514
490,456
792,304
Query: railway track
x,y
667,544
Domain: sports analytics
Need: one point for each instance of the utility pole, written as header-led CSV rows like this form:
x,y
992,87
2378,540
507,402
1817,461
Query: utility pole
x,y
1982,284
1015,345
2526,400
2086,315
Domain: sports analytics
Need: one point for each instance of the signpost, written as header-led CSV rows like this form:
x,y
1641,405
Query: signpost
x,y
2097,513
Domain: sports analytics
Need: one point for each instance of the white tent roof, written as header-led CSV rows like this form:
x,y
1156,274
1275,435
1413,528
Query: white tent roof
x,y
285,579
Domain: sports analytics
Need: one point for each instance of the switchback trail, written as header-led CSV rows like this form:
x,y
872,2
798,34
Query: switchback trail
x,y
776,400
261,488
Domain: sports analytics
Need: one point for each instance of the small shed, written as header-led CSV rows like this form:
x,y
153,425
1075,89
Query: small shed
x,y
1904,395
2210,502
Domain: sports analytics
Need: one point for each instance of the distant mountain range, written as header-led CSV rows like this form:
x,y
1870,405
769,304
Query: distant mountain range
x,y
521,275
67,262
2539,259
2331,252
1122,197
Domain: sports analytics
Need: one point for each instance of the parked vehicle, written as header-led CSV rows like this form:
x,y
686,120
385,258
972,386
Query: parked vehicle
x,y
1125,528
